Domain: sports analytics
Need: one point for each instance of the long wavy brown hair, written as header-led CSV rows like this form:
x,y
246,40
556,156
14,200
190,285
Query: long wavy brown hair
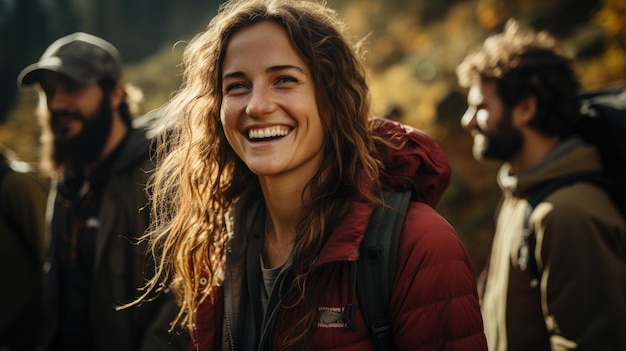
x,y
199,177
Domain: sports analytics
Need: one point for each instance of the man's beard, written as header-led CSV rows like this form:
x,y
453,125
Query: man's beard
x,y
503,143
85,147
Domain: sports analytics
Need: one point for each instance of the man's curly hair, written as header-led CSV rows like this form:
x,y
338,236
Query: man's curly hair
x,y
525,63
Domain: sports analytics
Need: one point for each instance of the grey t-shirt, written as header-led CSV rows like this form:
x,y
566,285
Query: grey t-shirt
x,y
269,278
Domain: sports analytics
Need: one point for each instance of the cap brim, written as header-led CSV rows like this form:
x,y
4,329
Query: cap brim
x,y
31,74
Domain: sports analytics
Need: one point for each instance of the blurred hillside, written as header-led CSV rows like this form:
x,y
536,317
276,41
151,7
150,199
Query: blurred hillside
x,y
413,48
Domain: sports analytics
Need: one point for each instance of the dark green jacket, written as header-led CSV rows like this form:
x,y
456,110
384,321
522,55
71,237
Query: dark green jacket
x,y
121,264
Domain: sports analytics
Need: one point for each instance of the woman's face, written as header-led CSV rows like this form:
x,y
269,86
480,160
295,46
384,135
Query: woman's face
x,y
269,111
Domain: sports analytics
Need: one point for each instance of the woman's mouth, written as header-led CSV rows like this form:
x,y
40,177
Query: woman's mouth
x,y
269,133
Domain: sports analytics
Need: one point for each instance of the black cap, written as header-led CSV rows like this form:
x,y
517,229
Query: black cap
x,y
81,57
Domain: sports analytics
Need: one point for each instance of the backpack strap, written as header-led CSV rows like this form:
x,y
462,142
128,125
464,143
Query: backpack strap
x,y
377,264
538,194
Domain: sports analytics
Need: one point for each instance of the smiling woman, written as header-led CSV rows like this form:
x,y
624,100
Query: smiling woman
x,y
268,174
268,91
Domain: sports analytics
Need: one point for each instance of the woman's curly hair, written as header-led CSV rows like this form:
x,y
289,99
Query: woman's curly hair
x,y
199,177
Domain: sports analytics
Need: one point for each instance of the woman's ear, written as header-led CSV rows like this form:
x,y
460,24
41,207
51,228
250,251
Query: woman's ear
x,y
525,111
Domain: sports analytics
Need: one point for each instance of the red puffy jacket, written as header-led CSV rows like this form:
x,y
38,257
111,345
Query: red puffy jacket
x,y
434,303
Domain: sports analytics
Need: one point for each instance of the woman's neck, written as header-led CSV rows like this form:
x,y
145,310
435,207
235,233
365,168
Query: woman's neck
x,y
277,245
283,201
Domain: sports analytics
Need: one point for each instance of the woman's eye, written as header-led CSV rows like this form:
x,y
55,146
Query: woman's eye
x,y
234,86
286,79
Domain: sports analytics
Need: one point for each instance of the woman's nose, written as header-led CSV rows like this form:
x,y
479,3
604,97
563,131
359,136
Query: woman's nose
x,y
260,102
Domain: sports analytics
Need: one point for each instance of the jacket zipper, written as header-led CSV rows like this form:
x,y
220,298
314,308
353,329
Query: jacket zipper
x,y
227,312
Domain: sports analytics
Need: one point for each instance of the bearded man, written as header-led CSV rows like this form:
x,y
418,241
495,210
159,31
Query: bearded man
x,y
556,276
99,165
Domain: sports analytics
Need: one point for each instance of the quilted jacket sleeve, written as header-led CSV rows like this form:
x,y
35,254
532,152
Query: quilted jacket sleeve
x,y
435,303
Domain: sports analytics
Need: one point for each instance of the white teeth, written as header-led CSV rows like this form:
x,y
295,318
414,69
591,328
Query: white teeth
x,y
267,132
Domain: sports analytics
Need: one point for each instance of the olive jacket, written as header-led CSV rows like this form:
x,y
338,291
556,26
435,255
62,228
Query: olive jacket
x,y
578,302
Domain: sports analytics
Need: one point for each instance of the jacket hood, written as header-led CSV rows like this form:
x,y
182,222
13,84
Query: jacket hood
x,y
420,163
572,156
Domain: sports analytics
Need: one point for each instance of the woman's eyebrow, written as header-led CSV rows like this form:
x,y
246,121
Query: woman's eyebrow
x,y
239,74
283,67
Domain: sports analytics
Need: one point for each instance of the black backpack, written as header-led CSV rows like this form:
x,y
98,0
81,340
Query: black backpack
x,y
603,123
377,263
